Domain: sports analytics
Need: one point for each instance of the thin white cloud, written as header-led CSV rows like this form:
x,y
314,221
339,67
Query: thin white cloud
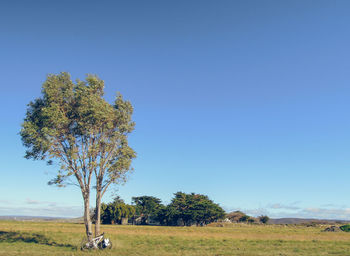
x,y
256,212
331,205
37,202
32,207
289,211
29,201
283,206
326,213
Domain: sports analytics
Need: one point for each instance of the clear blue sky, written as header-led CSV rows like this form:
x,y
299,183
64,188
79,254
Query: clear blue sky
x,y
245,101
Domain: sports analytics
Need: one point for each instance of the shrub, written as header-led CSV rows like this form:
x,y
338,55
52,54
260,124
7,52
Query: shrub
x,y
235,216
345,228
264,219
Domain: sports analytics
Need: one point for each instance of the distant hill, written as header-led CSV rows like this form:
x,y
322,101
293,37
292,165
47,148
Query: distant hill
x,y
41,218
19,217
301,221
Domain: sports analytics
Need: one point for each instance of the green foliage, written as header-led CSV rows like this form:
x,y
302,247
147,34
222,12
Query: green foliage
x,y
345,228
73,125
147,207
189,209
244,218
165,216
264,219
115,211
251,220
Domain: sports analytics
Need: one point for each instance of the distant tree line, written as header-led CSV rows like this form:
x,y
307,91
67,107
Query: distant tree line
x,y
183,210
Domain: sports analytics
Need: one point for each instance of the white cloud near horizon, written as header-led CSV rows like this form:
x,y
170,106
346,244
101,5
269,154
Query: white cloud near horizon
x,y
283,206
294,210
54,211
36,202
32,207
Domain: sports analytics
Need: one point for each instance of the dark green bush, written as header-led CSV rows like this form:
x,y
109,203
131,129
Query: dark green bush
x,y
345,228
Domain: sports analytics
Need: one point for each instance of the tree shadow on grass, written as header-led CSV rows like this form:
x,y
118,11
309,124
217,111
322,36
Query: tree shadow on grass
x,y
12,237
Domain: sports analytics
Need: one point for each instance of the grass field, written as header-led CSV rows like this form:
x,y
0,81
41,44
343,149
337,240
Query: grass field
x,y
48,238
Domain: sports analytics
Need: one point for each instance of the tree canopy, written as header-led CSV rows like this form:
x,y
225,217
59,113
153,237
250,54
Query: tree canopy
x,y
190,209
146,207
73,126
115,211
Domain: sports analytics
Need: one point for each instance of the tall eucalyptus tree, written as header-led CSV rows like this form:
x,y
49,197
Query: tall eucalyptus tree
x,y
73,126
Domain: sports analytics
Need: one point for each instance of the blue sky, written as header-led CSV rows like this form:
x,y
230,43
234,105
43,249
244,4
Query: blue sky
x,y
245,101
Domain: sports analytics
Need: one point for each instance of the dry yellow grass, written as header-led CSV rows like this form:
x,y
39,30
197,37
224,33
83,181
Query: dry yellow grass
x,y
151,240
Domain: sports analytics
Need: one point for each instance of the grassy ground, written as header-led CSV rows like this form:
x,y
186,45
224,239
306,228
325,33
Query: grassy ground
x,y
47,238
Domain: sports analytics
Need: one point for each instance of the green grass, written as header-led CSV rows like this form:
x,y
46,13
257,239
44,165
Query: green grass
x,y
47,238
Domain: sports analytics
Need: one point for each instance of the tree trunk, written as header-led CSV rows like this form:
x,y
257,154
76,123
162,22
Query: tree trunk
x,y
87,217
98,212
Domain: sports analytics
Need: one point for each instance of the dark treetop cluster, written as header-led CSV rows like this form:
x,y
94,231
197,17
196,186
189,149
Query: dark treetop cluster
x,y
183,210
